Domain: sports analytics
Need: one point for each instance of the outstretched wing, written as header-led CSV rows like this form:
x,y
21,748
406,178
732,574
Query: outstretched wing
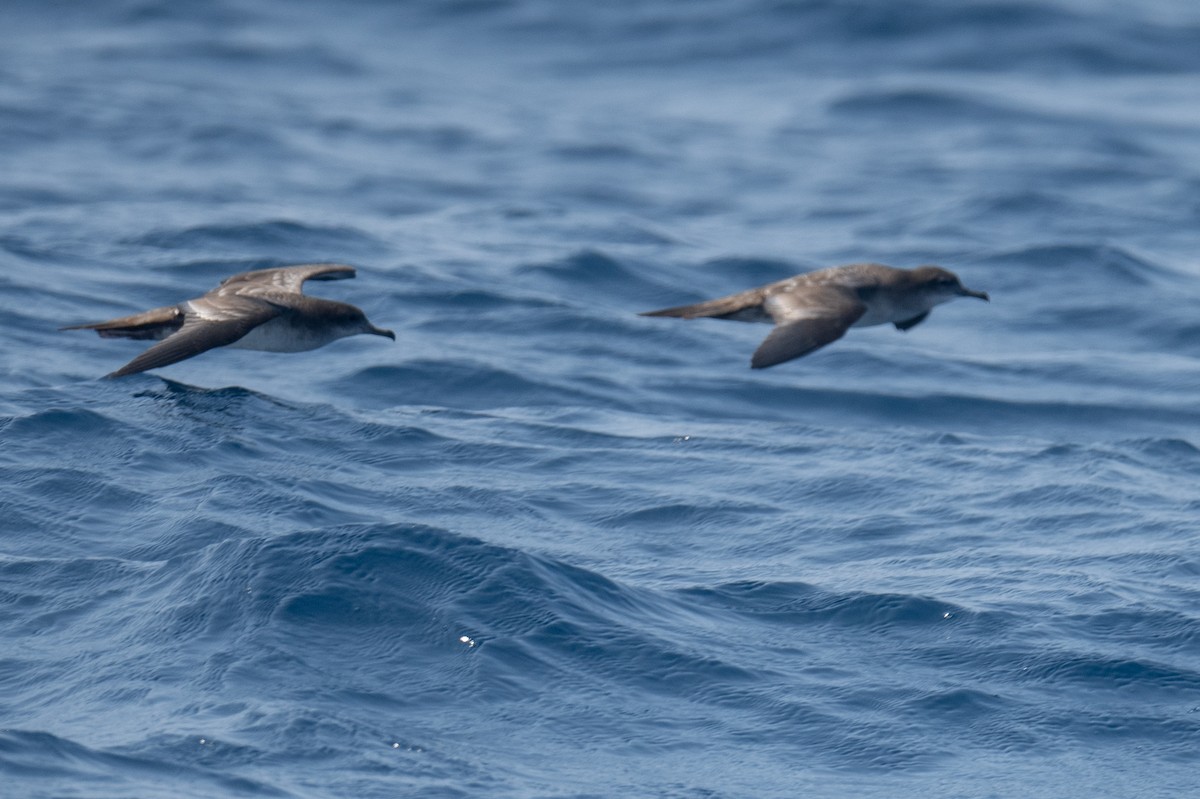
x,y
805,321
204,327
285,279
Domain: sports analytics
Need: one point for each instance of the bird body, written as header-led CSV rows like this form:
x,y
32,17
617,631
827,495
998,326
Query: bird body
x,y
261,310
288,333
817,308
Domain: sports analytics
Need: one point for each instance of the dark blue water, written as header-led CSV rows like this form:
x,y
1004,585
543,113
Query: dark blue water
x,y
541,546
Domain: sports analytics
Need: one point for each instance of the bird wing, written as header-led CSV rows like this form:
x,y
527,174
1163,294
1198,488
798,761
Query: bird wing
x,y
206,325
806,320
908,324
285,279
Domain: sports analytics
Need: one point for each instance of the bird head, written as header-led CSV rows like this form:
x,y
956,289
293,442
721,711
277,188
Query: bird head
x,y
943,284
353,321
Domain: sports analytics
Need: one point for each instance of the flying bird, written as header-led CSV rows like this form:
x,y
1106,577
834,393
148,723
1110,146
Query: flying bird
x,y
261,310
817,308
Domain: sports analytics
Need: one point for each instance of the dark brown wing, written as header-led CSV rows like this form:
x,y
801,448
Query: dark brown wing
x,y
157,323
285,279
203,331
908,324
806,320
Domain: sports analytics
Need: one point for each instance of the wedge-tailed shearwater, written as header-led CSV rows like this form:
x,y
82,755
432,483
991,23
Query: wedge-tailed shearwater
x,y
261,310
817,308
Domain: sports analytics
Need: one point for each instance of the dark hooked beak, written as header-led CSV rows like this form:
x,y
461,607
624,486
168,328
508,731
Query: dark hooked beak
x,y
379,331
966,292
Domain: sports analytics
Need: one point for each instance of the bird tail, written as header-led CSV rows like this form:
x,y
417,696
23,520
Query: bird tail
x,y
157,323
723,307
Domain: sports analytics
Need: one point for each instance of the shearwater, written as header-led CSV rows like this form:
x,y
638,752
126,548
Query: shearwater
x,y
817,308
261,310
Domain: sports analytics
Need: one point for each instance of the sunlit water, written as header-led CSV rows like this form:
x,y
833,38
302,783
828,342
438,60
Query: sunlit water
x,y
541,546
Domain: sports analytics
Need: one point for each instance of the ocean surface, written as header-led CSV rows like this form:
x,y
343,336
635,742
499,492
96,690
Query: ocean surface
x,y
541,546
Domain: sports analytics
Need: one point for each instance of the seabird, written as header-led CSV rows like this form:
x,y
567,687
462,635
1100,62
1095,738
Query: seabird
x,y
817,308
261,310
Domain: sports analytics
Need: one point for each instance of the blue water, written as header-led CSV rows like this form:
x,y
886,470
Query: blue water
x,y
541,546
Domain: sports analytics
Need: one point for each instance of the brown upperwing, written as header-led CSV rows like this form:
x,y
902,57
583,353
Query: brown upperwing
x,y
805,321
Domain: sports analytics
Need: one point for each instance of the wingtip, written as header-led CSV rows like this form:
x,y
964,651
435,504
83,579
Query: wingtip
x,y
337,271
128,369
757,361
